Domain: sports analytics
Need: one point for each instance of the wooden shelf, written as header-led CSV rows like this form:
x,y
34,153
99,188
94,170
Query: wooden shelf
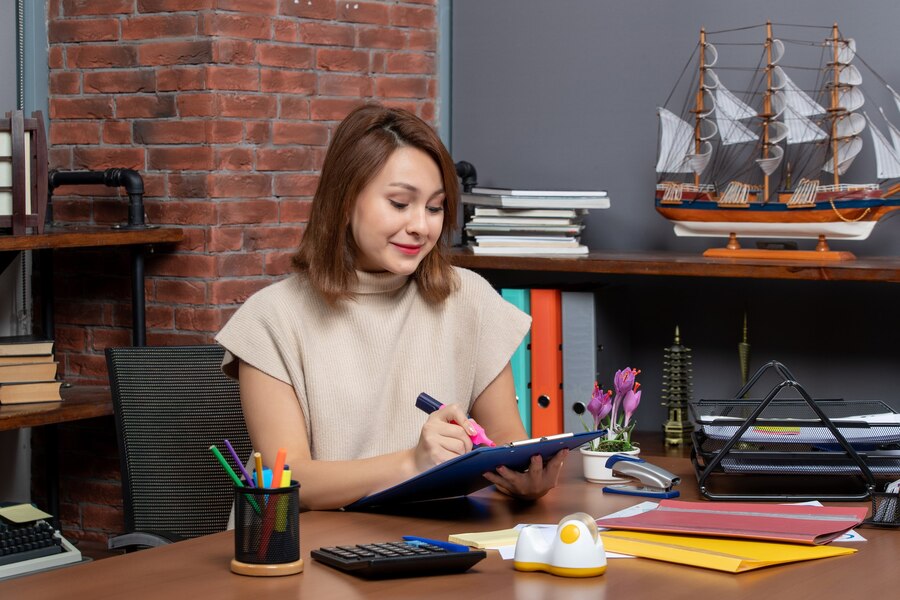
x,y
79,402
880,269
89,236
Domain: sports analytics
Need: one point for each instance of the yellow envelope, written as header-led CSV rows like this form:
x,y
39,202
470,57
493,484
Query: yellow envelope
x,y
723,554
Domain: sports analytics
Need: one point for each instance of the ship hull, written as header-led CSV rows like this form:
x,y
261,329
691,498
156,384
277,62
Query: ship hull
x,y
845,219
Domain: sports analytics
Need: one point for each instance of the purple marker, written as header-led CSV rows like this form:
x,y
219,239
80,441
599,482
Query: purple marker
x,y
240,465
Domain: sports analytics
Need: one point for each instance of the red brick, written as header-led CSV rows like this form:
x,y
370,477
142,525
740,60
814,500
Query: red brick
x,y
97,107
83,30
196,105
293,184
109,338
120,81
183,265
175,53
237,265
408,16
182,158
59,158
145,106
326,34
363,12
291,107
70,338
152,6
159,26
332,109
284,55
235,291
109,212
223,239
199,319
65,83
194,240
180,291
332,84
55,58
71,211
316,9
185,213
259,7
233,159
268,238
180,131
107,158
247,211
340,59
101,517
257,133
224,132
236,26
428,112
423,40
287,81
117,132
315,134
410,63
285,159
244,185
284,30
155,338
62,132
401,87
382,37
242,105
279,263
94,56
154,187
181,78
88,366
234,52
158,317
233,78
80,8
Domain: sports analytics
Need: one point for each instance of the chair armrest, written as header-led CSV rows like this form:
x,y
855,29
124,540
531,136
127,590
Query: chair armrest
x,y
142,539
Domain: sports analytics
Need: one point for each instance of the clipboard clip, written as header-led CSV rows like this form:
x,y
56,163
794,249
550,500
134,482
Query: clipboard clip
x,y
652,481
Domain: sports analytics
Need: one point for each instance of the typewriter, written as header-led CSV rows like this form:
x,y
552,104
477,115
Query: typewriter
x,y
32,546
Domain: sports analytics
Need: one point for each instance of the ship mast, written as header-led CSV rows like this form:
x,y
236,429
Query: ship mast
x,y
698,142
834,110
767,107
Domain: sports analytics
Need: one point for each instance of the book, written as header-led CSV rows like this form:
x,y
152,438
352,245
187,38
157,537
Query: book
x,y
537,242
19,373
22,345
542,193
520,221
568,230
28,358
499,201
558,213
529,250
31,391
521,358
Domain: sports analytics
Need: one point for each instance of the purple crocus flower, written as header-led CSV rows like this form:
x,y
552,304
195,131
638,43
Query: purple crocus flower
x,y
600,405
630,403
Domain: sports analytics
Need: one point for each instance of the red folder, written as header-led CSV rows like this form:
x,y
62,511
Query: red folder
x,y
800,524
546,363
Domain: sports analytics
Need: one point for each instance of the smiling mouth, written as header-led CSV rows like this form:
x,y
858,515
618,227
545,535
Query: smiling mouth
x,y
407,249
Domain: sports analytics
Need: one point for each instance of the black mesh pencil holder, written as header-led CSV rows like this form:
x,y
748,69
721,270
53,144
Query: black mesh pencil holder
x,y
267,531
885,510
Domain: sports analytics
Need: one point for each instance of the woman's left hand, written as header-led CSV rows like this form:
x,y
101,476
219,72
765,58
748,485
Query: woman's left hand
x,y
539,479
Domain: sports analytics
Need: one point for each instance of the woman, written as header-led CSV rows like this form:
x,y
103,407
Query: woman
x,y
331,360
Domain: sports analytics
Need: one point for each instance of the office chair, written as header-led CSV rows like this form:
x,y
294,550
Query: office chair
x,y
170,405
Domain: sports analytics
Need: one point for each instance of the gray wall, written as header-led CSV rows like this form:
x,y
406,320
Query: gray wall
x,y
7,56
564,94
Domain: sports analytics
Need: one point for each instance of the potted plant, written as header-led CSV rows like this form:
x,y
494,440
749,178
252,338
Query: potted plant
x,y
611,410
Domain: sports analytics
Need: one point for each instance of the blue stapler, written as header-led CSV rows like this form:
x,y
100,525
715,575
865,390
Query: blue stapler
x,y
652,481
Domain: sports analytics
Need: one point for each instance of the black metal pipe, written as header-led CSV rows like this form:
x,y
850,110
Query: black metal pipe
x,y
130,179
466,172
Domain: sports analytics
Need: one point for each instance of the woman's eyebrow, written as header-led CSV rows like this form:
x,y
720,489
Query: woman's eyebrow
x,y
412,188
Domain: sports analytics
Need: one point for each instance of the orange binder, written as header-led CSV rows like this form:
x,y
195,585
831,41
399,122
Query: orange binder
x,y
546,363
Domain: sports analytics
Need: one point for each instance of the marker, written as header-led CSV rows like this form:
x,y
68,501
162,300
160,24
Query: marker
x,y
428,405
279,467
259,477
445,545
237,460
237,480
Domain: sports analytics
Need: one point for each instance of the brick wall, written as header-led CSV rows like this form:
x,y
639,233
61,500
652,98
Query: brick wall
x,y
225,107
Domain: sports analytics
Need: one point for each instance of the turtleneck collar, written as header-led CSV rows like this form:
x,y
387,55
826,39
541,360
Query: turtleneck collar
x,y
378,283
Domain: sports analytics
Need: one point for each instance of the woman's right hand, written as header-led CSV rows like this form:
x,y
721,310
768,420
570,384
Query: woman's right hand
x,y
444,435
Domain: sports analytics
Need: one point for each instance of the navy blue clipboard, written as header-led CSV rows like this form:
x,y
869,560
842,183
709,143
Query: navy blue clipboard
x,y
462,475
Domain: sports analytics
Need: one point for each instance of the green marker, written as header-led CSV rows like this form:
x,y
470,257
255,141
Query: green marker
x,y
237,480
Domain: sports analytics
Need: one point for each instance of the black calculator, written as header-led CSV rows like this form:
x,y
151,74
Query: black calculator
x,y
397,559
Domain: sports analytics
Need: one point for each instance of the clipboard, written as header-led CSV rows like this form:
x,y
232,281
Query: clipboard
x,y
462,475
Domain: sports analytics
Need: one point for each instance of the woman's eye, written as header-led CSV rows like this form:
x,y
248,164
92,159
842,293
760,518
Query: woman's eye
x,y
397,205
435,209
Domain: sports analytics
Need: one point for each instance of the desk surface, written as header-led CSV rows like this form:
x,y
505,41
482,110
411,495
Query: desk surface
x,y
72,236
79,402
200,567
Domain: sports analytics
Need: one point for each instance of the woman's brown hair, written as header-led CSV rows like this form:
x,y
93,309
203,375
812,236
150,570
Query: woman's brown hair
x,y
361,146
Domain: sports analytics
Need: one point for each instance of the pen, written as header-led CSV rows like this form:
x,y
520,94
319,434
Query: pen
x,y
445,545
237,480
259,474
237,460
428,405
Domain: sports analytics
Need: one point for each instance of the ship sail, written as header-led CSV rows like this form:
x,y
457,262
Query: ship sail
x,y
887,160
848,126
729,111
675,143
895,133
794,105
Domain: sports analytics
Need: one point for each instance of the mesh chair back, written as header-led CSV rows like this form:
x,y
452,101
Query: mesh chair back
x,y
171,404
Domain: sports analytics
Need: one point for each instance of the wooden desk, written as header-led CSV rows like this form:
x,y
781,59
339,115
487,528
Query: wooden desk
x,y
200,567
79,402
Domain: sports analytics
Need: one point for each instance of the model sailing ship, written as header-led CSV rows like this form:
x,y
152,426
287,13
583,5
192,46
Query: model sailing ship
x,y
751,165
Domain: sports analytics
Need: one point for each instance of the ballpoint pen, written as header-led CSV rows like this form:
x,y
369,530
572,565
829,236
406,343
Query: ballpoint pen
x,y
445,545
428,404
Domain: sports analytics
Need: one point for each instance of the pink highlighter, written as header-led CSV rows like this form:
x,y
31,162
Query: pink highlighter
x,y
428,405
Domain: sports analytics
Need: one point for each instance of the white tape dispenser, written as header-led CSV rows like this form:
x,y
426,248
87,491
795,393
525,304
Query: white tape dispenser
x,y
576,549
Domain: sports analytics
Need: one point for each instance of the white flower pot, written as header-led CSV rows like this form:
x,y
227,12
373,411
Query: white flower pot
x,y
595,469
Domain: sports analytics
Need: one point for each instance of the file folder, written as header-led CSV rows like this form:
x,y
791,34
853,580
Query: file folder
x,y
579,357
546,363
521,358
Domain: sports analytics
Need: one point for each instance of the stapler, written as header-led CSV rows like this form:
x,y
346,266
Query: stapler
x,y
653,481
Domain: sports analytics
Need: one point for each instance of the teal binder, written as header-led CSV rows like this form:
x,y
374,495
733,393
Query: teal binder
x,y
521,358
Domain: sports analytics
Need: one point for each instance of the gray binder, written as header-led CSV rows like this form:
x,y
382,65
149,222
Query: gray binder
x,y
579,356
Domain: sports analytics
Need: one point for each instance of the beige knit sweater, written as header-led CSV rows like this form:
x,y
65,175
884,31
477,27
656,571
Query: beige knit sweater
x,y
357,368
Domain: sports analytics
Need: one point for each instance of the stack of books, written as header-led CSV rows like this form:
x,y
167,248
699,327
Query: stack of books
x,y
517,222
27,370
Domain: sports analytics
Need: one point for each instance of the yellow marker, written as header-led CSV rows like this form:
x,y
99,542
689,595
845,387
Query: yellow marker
x,y
259,469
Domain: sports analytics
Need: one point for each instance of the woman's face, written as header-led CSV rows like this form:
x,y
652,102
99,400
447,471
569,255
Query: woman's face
x,y
398,217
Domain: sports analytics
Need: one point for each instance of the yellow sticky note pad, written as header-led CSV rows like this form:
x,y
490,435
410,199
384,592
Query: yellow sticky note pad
x,y
23,513
486,539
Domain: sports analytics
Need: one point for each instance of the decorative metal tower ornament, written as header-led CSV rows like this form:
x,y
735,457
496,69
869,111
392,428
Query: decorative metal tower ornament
x,y
744,354
676,392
